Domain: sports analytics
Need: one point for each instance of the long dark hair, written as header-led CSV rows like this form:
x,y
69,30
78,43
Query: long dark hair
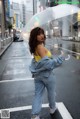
x,y
33,38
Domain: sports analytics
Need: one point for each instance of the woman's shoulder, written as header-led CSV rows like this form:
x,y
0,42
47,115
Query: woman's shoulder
x,y
40,46
41,50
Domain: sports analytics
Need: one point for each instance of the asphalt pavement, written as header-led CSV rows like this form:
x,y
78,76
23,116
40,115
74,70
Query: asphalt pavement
x,y
17,84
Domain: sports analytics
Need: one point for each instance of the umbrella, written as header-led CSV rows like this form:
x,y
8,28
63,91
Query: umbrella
x,y
64,10
49,14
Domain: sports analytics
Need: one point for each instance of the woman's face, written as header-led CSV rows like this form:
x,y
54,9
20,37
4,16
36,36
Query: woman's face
x,y
40,37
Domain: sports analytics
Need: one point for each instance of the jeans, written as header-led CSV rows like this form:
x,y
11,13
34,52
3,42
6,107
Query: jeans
x,y
40,84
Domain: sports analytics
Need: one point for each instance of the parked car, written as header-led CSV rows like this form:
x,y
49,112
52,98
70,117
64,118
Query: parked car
x,y
16,36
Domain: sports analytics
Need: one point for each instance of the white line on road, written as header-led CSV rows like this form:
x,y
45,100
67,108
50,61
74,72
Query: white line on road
x,y
26,79
61,107
63,111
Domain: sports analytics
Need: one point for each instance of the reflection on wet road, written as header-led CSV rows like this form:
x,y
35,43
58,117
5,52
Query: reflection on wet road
x,y
68,48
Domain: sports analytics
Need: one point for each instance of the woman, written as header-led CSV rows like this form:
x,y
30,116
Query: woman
x,y
42,66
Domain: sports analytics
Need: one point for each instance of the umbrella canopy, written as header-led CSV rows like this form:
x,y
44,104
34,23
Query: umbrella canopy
x,y
64,10
49,14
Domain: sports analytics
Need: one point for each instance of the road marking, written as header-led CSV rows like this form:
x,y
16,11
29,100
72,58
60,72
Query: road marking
x,y
4,81
63,111
61,107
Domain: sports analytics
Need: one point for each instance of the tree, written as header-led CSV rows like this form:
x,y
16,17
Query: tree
x,y
9,27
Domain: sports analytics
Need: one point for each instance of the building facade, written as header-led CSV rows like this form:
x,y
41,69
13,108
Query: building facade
x,y
5,38
22,15
29,9
16,15
2,18
65,26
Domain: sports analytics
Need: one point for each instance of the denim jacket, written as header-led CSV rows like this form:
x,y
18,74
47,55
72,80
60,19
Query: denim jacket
x,y
45,66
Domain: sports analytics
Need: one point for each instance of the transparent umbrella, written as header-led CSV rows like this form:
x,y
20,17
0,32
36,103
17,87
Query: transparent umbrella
x,y
37,20
49,14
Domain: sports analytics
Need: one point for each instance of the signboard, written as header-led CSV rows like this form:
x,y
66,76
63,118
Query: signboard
x,y
14,21
67,2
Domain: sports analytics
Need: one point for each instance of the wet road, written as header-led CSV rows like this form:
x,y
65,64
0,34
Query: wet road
x,y
69,47
17,85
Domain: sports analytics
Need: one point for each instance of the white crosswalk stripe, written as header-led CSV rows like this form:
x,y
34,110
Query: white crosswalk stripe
x,y
61,107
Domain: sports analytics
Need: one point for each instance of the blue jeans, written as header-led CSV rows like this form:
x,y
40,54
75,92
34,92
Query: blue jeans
x,y
40,84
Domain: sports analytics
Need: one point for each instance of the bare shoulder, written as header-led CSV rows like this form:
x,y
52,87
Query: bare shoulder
x,y
41,50
40,47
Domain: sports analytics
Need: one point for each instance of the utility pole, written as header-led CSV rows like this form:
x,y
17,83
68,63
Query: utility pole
x,y
34,7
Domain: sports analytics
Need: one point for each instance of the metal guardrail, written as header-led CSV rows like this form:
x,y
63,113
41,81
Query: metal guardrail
x,y
4,43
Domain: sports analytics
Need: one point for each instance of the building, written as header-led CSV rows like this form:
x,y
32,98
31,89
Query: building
x,y
34,6
5,39
2,18
22,15
64,26
29,9
7,12
16,15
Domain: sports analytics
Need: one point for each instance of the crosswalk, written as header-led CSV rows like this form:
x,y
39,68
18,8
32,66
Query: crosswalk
x,y
60,106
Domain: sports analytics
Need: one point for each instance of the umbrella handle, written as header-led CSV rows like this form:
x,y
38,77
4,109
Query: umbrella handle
x,y
68,57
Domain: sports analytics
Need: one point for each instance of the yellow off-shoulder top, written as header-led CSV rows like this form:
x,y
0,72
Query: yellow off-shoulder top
x,y
37,57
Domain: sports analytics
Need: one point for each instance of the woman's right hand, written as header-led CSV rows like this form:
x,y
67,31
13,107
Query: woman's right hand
x,y
63,55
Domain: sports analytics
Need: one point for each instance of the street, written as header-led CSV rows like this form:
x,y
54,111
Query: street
x,y
17,84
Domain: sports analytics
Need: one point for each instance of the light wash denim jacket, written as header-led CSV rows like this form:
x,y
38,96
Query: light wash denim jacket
x,y
45,66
